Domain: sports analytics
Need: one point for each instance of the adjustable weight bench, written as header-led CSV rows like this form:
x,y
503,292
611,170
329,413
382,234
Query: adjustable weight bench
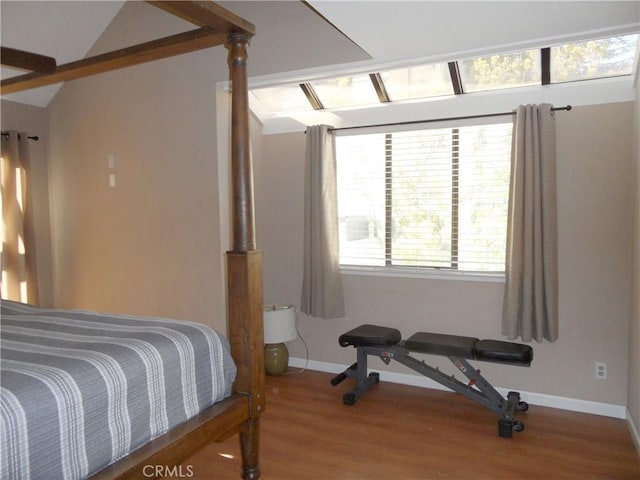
x,y
387,344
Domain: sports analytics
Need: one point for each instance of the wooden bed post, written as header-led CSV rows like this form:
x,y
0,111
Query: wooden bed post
x,y
244,264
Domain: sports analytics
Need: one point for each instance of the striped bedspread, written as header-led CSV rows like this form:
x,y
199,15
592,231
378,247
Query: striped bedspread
x,y
80,390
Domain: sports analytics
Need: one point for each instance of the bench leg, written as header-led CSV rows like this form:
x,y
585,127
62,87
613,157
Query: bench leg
x,y
508,423
363,381
478,389
492,399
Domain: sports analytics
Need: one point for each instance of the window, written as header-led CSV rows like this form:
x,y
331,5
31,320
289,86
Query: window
x,y
587,60
421,81
282,99
601,58
430,198
495,72
345,91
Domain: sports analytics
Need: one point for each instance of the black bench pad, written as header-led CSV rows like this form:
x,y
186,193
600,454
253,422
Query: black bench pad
x,y
441,344
503,352
370,335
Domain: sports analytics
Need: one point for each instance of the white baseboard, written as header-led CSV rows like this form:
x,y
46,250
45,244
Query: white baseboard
x,y
634,431
533,398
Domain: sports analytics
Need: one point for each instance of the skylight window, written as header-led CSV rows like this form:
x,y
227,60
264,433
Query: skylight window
x,y
286,99
519,69
421,81
356,90
605,57
586,60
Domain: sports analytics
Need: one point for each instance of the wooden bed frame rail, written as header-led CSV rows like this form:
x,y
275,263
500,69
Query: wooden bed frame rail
x,y
241,412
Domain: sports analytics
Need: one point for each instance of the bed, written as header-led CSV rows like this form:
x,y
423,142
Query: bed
x,y
240,409
94,387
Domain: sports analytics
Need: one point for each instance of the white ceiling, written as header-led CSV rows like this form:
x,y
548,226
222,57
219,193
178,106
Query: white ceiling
x,y
62,30
393,30
381,31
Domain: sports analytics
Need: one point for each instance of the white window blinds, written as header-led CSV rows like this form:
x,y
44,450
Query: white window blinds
x,y
425,198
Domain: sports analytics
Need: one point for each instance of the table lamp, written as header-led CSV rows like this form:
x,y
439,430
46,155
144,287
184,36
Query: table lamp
x,y
279,327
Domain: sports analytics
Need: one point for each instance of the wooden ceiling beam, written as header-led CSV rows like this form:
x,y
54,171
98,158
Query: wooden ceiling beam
x,y
216,24
186,42
12,57
206,14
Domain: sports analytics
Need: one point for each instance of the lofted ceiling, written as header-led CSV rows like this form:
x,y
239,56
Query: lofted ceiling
x,y
293,35
65,31
392,30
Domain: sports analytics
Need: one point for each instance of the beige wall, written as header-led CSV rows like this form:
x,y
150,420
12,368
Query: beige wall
x,y
151,245
633,390
154,244
33,121
595,199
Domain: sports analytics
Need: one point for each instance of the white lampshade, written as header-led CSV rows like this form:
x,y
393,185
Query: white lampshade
x,y
279,323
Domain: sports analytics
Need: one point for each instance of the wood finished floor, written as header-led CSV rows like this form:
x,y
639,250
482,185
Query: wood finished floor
x,y
399,432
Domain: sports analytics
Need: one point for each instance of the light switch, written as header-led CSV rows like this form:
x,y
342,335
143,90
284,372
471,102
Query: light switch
x,y
112,180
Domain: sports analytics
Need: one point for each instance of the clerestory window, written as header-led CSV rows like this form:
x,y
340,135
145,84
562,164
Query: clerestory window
x,y
586,60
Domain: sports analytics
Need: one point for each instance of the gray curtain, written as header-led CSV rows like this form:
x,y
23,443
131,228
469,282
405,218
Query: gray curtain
x,y
19,276
322,294
530,308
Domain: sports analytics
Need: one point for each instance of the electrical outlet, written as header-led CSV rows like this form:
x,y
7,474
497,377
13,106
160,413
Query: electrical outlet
x,y
601,371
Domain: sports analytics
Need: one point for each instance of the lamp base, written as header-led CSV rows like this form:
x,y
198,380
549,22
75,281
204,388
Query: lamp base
x,y
276,358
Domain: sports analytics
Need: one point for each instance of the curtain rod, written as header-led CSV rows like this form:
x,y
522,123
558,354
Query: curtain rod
x,y
469,117
35,138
